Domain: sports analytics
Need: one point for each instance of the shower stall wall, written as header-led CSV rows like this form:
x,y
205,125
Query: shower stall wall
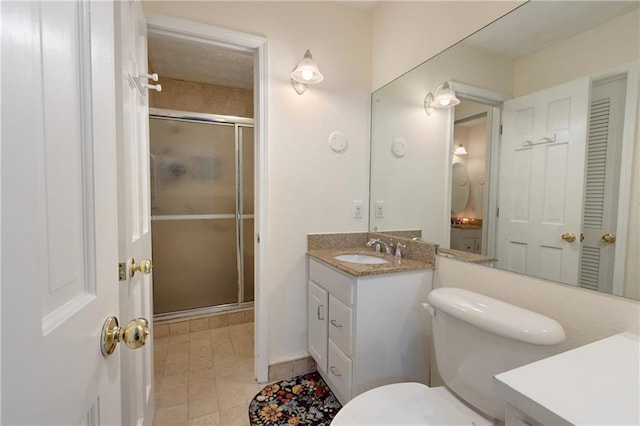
x,y
202,211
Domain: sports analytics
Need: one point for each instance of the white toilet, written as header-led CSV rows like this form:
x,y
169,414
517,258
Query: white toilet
x,y
475,337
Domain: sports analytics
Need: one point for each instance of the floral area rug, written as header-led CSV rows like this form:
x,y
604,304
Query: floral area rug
x,y
301,400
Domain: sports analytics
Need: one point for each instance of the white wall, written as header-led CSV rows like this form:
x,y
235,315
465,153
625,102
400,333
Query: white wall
x,y
605,46
311,188
405,34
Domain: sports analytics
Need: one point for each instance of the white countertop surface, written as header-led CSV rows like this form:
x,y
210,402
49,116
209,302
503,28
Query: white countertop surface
x,y
595,384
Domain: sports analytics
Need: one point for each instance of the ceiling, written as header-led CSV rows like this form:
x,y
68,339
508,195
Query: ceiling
x,y
540,24
534,27
204,63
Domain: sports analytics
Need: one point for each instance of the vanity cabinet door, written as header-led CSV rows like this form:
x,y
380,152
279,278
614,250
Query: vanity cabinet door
x,y
340,325
339,374
317,320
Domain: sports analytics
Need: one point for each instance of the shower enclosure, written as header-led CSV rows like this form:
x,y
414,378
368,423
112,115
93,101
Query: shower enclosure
x,y
202,211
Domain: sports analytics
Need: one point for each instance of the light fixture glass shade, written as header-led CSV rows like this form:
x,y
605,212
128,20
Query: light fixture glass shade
x,y
445,96
460,150
307,71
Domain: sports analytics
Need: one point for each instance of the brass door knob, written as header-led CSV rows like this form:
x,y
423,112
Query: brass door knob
x,y
134,335
145,267
608,238
569,237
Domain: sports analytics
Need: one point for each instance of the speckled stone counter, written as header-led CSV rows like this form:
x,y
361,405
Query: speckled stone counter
x,y
464,256
324,247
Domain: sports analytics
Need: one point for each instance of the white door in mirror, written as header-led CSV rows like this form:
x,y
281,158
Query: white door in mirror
x,y
529,231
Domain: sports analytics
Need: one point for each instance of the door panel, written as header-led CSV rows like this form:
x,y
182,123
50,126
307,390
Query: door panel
x,y
602,184
193,168
195,264
59,214
542,158
134,227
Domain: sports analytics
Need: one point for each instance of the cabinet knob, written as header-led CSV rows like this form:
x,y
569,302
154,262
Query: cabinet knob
x,y
332,369
335,324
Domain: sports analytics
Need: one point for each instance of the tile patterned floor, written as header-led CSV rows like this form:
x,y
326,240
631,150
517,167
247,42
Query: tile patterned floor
x,y
205,377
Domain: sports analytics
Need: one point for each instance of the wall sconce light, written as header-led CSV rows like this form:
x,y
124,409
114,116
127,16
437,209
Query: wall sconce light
x,y
445,97
460,150
305,73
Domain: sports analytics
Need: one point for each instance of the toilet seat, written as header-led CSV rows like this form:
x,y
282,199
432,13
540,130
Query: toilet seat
x,y
407,404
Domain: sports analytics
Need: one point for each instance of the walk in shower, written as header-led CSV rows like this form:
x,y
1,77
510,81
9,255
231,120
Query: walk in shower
x,y
202,211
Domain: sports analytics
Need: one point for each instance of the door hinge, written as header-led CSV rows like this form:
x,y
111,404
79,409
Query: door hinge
x,y
497,211
258,238
122,271
501,129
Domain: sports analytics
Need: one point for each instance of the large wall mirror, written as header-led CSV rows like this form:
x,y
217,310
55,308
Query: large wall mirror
x,y
546,133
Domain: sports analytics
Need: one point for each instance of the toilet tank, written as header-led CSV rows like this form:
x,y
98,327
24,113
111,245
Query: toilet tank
x,y
476,337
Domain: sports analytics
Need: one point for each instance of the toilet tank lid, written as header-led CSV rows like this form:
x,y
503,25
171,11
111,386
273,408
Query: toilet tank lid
x,y
496,316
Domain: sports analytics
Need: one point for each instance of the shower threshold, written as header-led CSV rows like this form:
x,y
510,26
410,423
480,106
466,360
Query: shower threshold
x,y
191,314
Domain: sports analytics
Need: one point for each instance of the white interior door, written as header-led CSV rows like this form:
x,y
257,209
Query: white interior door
x,y
134,201
59,214
602,180
541,181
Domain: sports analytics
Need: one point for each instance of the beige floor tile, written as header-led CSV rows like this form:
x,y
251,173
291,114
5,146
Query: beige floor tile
x,y
179,328
235,416
161,330
201,376
236,318
201,364
177,367
225,345
246,364
218,321
231,395
202,406
203,390
177,356
199,324
175,380
179,340
225,368
176,415
243,347
238,331
200,335
203,352
212,419
169,397
252,389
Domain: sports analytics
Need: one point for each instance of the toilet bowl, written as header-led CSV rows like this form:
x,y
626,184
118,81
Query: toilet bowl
x,y
475,337
408,404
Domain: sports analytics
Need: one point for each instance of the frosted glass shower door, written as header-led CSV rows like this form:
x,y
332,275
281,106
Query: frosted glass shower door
x,y
245,137
194,211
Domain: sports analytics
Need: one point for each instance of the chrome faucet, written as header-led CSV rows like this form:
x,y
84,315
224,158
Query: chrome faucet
x,y
399,248
378,242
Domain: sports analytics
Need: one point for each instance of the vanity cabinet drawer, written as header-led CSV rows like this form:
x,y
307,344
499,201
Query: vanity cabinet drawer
x,y
339,285
340,324
339,373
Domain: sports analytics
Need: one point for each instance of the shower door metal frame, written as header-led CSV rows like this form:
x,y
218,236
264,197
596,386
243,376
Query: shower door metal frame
x,y
237,123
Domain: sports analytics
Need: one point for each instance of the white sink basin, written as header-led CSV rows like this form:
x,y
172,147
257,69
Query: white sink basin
x,y
361,258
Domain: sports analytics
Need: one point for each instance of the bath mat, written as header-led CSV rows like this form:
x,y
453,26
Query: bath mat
x,y
301,400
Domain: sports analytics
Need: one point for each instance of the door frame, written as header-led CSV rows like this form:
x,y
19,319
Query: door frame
x,y
208,34
632,72
490,196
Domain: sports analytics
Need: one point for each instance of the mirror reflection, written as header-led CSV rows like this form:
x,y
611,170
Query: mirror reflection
x,y
537,166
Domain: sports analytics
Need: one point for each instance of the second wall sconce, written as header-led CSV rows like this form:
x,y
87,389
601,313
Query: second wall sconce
x,y
305,73
444,97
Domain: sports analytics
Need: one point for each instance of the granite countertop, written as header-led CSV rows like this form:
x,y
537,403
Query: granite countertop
x,y
465,256
326,255
466,226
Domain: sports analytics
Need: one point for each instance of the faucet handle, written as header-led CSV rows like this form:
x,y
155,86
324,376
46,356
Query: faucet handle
x,y
399,248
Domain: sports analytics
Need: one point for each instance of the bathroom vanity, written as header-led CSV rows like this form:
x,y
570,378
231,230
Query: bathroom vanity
x,y
596,384
367,328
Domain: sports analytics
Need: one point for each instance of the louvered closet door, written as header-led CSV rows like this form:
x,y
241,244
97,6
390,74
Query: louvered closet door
x,y
601,184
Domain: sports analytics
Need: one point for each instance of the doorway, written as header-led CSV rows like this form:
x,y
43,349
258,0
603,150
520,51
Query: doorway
x,y
206,37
